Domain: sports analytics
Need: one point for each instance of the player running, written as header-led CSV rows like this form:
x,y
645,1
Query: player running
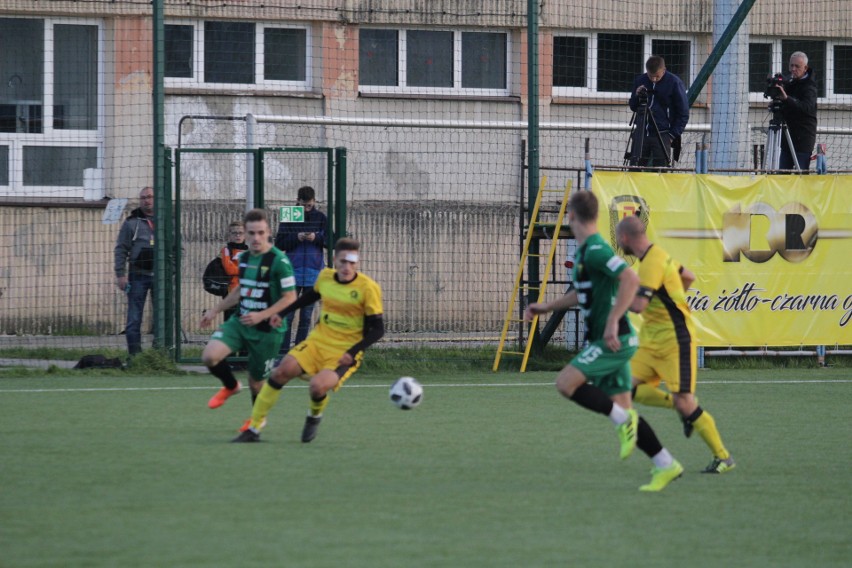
x,y
349,322
598,378
667,349
267,286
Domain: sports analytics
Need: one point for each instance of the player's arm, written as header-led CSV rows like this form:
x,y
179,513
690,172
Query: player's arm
x,y
374,329
628,284
569,300
229,301
687,277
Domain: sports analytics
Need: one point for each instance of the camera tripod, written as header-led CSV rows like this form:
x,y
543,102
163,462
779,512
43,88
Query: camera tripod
x,y
639,122
777,128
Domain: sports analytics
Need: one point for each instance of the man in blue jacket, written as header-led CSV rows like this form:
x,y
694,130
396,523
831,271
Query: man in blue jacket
x,y
664,96
303,243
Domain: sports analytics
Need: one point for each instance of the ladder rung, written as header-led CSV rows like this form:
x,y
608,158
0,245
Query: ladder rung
x,y
513,353
535,255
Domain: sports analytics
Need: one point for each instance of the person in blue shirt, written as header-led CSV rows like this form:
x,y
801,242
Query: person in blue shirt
x,y
665,97
304,243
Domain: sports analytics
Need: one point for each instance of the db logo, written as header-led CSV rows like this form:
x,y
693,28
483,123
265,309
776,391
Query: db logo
x,y
791,232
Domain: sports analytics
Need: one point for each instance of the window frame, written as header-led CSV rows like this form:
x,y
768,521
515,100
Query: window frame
x,y
591,87
780,63
402,88
260,84
50,136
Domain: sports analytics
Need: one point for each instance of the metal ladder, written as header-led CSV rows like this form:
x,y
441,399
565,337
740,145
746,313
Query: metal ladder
x,y
534,224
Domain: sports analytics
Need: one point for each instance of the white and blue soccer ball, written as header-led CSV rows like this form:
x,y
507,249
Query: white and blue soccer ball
x,y
406,393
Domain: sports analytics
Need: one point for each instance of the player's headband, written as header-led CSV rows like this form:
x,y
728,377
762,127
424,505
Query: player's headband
x,y
351,257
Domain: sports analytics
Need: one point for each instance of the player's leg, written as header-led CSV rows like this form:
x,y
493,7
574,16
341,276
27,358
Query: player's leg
x,y
321,383
583,381
223,342
682,364
666,469
646,380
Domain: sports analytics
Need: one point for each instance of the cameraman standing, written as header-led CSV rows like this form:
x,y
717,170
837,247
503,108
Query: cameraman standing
x,y
664,97
798,98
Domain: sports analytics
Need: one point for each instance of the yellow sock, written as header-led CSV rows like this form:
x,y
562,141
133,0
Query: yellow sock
x,y
318,406
652,396
266,399
706,428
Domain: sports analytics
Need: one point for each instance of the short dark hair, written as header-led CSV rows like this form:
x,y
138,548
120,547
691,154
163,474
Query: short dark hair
x,y
306,193
346,243
654,64
584,204
256,215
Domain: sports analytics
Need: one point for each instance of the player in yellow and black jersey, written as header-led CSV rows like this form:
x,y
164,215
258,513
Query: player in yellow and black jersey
x,y
350,321
667,350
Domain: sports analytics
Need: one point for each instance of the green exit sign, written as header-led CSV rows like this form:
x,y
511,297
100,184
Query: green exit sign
x,y
291,214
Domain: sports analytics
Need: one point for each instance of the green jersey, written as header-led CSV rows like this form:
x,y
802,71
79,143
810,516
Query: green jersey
x,y
596,270
263,280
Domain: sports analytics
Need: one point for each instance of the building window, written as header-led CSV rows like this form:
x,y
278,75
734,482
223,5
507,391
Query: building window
x,y
570,61
237,53
179,47
51,122
431,61
759,66
843,69
606,64
378,57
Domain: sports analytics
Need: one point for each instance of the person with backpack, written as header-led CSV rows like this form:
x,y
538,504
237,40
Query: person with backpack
x,y
228,256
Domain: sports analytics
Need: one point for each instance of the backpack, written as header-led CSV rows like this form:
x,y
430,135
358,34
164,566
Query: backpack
x,y
215,279
98,362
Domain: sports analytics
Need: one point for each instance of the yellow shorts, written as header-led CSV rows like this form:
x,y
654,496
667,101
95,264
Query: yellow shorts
x,y
313,356
674,364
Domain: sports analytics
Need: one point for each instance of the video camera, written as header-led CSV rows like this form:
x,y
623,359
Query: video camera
x,y
642,97
773,82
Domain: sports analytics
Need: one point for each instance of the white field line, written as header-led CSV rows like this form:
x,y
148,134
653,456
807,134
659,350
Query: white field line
x,y
425,385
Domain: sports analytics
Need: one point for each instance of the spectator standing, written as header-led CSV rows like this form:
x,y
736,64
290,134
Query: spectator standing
x,y
236,245
303,243
134,265
798,97
667,104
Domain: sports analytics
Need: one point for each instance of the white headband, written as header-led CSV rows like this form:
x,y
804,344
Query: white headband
x,y
351,257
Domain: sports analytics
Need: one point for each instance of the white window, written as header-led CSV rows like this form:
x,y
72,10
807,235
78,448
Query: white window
x,y
831,62
51,101
433,62
605,64
252,56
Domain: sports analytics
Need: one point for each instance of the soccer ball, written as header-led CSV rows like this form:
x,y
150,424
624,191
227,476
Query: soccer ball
x,y
406,393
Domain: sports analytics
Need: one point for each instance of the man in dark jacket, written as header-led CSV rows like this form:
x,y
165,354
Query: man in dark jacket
x,y
303,243
669,107
134,265
798,96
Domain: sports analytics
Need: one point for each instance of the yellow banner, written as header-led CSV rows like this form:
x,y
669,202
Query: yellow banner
x,y
773,254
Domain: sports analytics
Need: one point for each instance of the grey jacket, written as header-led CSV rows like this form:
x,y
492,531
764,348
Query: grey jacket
x,y
134,248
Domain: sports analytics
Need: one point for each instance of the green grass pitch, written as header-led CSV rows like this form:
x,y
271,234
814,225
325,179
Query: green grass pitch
x,y
491,470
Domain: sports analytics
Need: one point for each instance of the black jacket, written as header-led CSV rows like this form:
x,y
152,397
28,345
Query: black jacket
x,y
800,111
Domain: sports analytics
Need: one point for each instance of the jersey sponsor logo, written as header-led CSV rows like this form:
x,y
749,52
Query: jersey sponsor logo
x,y
253,305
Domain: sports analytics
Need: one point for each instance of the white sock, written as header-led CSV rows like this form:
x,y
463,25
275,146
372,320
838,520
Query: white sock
x,y
663,459
618,415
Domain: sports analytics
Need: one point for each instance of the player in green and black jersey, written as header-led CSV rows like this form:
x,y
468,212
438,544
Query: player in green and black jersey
x,y
267,286
599,378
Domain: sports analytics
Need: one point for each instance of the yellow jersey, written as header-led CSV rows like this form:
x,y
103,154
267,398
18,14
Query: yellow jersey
x,y
667,318
344,306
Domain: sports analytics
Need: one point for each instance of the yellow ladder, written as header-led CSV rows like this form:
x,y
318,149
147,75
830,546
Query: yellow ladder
x,y
525,254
